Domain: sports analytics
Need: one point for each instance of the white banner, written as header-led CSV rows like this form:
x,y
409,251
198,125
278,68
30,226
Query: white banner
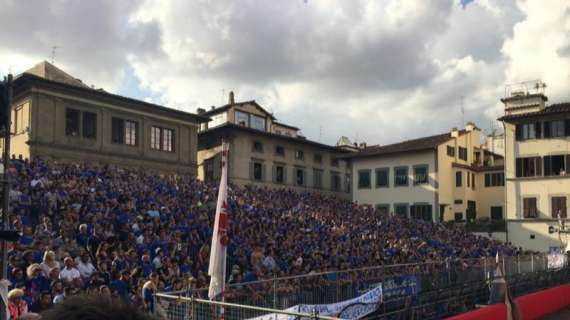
x,y
556,260
356,308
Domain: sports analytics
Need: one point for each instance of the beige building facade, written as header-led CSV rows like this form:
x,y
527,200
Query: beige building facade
x,y
446,177
537,156
55,115
267,153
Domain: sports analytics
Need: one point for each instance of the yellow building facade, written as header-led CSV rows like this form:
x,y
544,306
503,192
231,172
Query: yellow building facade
x,y
537,156
267,153
55,115
445,177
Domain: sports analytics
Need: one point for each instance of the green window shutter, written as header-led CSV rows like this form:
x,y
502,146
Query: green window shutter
x,y
263,175
251,171
274,171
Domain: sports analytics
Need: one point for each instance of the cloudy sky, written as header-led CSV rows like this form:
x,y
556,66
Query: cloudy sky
x,y
379,71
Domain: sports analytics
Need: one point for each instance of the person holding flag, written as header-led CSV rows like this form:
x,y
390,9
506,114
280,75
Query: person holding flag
x,y
220,239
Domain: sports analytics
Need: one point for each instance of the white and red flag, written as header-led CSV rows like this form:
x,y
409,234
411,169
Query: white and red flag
x,y
220,240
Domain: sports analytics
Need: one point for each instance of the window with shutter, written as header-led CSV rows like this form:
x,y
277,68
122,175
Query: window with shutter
x,y
538,166
400,176
529,167
559,207
401,209
519,132
538,130
382,178
557,128
487,179
117,130
263,174
383,209
554,165
529,208
496,213
300,177
131,128
421,211
335,181
89,125
546,129
451,151
257,171
274,174
364,179
72,122
420,174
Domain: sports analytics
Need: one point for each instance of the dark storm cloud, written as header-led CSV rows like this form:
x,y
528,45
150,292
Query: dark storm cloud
x,y
292,42
94,37
384,70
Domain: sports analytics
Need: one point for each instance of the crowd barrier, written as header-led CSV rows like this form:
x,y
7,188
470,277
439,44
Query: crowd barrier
x,y
531,306
429,290
331,287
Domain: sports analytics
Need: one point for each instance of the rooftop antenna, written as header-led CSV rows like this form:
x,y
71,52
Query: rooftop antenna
x,y
223,96
53,49
320,133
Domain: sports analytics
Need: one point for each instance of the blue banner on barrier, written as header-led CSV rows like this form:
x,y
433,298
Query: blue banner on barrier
x,y
356,308
400,286
361,306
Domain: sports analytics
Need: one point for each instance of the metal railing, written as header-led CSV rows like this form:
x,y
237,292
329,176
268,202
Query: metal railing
x,y
178,307
415,285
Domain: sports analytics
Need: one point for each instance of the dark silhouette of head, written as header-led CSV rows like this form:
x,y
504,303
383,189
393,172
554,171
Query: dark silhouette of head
x,y
94,307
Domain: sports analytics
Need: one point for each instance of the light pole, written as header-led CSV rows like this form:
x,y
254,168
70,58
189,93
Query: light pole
x,y
5,114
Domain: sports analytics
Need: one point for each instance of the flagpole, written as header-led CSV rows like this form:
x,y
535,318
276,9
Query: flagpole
x,y
220,240
225,150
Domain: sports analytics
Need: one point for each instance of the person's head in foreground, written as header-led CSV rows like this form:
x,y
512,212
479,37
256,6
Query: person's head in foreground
x,y
94,307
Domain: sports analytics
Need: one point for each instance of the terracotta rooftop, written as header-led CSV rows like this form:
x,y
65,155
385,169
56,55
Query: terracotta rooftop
x,y
558,108
424,143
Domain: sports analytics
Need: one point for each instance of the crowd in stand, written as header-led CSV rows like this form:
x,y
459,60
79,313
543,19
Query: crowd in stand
x,y
130,233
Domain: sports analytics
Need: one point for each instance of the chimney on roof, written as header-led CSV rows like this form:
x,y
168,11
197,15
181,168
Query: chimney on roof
x,y
200,110
470,126
231,99
454,132
525,97
212,107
